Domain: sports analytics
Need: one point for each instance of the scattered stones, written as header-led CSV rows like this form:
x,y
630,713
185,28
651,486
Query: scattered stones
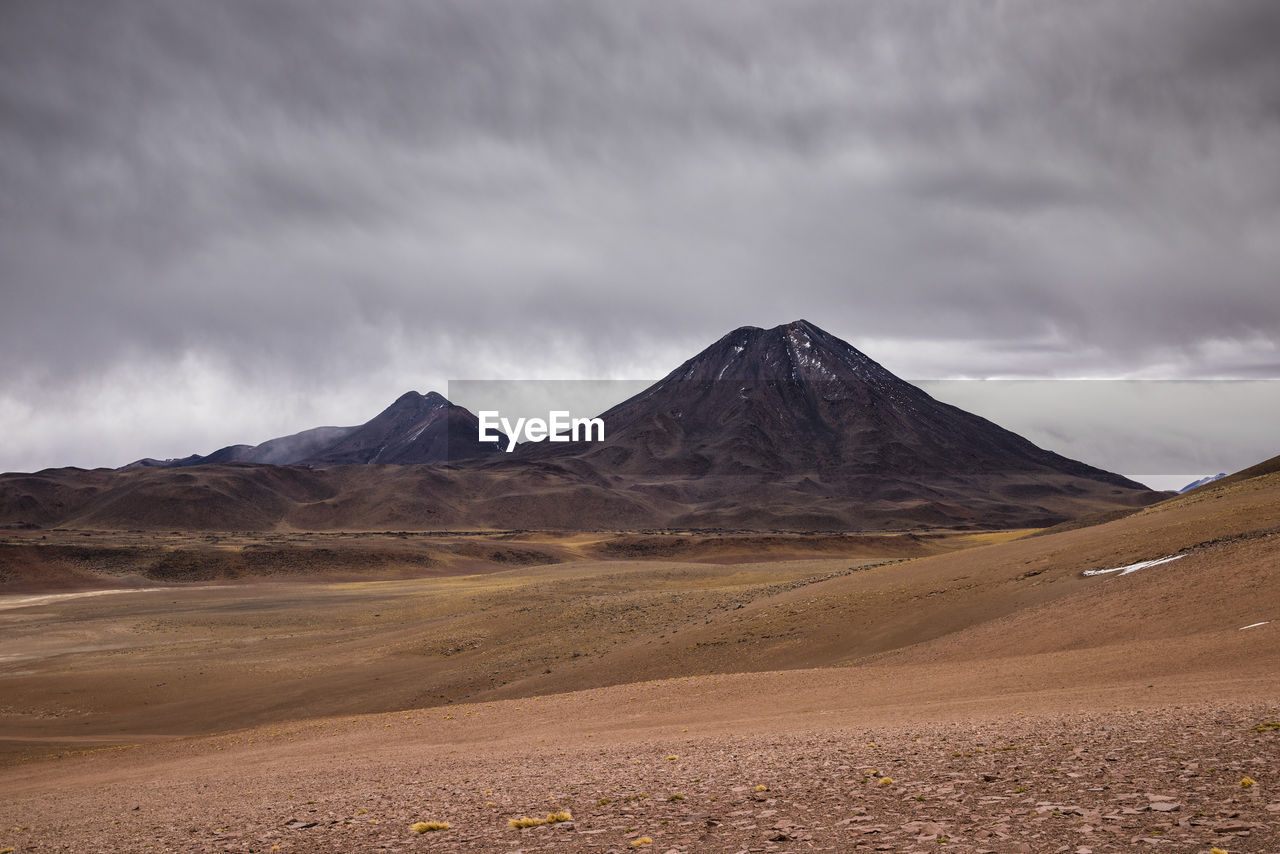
x,y
1232,827
998,786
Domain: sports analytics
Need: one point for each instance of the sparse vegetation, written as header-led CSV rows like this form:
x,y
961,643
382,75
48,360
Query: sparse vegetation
x,y
525,821
643,840
1120,754
429,826
533,821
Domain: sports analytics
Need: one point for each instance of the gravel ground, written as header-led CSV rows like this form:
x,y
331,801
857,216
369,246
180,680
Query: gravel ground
x,y
1169,779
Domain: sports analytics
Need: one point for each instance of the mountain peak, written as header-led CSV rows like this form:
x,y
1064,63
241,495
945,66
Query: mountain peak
x,y
800,326
798,351
795,327
796,400
430,400
417,428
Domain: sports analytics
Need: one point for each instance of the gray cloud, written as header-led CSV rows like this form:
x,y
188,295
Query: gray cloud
x,y
293,211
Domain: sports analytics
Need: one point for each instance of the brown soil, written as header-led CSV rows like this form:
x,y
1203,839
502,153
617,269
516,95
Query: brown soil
x,y
524,495
1017,704
1111,769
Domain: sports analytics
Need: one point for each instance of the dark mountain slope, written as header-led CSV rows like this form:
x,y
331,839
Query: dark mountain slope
x,y
791,427
416,429
286,450
795,400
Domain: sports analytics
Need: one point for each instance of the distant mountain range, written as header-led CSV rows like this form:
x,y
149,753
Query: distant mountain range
x,y
1195,484
784,428
417,429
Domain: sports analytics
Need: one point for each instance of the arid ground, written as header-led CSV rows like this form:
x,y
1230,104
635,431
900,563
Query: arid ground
x,y
970,692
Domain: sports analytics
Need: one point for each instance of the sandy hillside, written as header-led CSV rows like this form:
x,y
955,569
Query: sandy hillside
x,y
1016,703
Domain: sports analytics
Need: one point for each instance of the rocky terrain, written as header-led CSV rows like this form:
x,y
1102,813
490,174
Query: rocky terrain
x,y
1120,779
1104,687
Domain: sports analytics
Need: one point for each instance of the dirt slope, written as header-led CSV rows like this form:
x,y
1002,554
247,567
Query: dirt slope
x,y
1016,704
154,662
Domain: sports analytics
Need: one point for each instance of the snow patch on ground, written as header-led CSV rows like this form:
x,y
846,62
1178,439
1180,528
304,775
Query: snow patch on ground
x,y
1133,567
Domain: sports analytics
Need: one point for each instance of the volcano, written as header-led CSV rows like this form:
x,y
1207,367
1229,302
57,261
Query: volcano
x,y
795,400
416,429
797,420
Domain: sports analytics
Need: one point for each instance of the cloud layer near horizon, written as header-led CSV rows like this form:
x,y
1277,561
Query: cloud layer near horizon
x,y
224,222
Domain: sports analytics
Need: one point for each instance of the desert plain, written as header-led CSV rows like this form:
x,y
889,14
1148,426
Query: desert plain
x,y
674,691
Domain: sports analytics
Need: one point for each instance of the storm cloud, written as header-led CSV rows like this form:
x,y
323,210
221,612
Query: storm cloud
x,y
227,221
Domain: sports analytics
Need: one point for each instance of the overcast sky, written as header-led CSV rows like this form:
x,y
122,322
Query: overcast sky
x,y
221,222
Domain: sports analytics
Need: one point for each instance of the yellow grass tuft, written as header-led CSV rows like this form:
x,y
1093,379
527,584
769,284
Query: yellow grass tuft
x,y
762,788
530,821
1217,851
1268,726
672,758
428,826
525,821
643,840
885,781
675,797
1247,782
